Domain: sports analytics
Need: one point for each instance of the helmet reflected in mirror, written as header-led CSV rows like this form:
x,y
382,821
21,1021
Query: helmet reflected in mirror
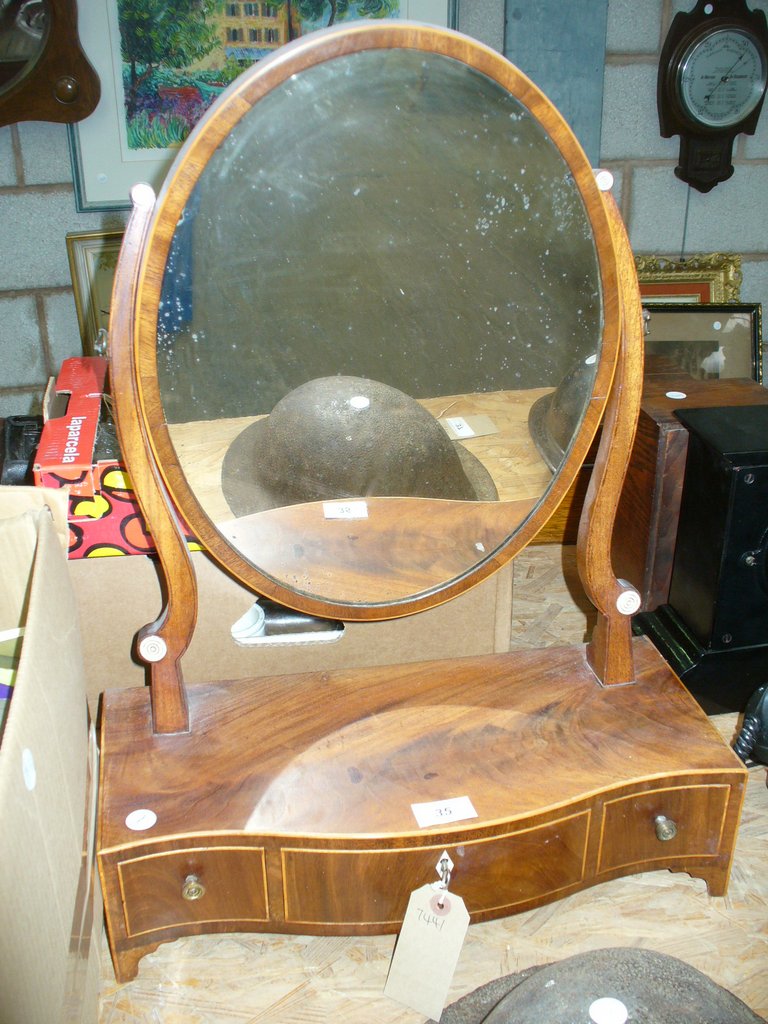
x,y
554,418
347,437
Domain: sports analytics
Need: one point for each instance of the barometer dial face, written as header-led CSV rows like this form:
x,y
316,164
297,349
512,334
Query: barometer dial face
x,y
722,77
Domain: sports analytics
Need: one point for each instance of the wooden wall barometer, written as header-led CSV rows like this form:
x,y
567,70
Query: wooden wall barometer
x,y
335,338
713,75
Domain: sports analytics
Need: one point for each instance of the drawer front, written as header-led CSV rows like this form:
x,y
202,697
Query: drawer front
x,y
372,887
630,834
193,886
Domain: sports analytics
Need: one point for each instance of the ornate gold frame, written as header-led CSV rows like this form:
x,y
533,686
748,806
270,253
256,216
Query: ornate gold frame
x,y
700,277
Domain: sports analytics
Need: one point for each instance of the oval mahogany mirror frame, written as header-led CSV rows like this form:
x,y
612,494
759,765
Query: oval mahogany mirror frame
x,y
213,129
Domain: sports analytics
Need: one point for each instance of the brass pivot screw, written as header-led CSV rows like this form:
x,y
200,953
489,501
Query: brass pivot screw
x,y
666,829
193,888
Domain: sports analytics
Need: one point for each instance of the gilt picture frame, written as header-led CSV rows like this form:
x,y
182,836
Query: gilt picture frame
x,y
700,277
122,142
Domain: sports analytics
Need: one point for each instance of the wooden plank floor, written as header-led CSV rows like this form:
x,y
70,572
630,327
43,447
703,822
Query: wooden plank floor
x,y
272,979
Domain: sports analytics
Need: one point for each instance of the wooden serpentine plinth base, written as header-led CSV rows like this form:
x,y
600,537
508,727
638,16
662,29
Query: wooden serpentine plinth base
x,y
288,806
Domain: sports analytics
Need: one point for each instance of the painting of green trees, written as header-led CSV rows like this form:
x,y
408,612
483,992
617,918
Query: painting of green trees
x,y
177,56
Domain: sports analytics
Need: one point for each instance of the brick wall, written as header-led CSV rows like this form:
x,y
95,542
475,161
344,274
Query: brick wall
x,y
38,323
38,320
733,217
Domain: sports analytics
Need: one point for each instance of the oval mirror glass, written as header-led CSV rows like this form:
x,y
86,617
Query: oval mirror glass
x,y
380,319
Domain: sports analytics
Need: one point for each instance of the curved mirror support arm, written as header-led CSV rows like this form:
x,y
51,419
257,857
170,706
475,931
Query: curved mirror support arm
x,y
609,651
161,643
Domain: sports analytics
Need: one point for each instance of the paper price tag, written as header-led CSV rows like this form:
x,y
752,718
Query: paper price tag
x,y
345,509
461,428
439,812
427,950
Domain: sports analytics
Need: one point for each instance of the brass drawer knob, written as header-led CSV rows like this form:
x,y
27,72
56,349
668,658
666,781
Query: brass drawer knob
x,y
193,888
666,829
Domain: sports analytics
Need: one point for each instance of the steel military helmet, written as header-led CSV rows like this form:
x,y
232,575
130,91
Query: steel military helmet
x,y
346,437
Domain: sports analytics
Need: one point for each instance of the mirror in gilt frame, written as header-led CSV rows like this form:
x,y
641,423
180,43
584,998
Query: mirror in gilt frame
x,y
362,342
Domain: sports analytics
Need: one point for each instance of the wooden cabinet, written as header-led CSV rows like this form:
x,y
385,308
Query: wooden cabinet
x,y
318,834
649,507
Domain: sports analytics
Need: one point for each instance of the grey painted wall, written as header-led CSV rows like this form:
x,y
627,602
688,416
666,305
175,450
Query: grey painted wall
x,y
38,323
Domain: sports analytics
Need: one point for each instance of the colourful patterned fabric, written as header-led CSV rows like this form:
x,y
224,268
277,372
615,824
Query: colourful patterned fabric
x,y
10,652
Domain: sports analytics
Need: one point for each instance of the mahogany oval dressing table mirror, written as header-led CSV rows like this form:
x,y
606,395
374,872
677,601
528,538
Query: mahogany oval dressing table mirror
x,y
338,339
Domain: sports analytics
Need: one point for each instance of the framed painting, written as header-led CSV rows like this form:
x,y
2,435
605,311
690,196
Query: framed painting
x,y
156,83
92,262
700,277
708,340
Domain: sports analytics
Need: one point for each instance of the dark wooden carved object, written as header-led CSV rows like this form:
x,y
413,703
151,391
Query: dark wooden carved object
x,y
58,83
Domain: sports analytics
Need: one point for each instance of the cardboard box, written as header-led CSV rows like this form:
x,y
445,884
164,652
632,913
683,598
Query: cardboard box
x,y
50,899
104,516
478,622
71,411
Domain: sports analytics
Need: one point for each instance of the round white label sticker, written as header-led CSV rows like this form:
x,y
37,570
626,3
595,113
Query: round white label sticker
x,y
141,819
608,1011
